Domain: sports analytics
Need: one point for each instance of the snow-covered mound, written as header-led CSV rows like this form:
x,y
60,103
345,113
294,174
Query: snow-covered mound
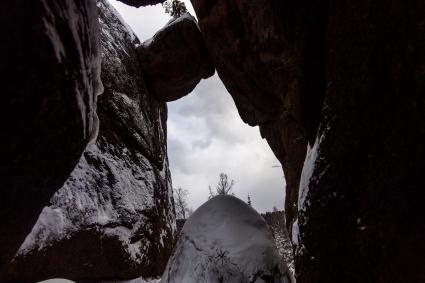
x,y
225,240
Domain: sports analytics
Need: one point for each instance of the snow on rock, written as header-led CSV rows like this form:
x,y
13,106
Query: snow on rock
x,y
277,224
225,240
307,179
114,216
307,173
50,66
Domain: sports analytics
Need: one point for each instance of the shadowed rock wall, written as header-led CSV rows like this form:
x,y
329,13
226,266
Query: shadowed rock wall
x,y
348,78
269,55
50,65
360,217
114,217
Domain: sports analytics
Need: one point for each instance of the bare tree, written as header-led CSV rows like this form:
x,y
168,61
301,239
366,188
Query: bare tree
x,y
223,187
180,201
175,8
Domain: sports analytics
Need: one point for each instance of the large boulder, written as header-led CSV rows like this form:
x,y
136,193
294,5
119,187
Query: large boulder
x,y
50,66
361,206
175,59
140,3
357,70
225,240
114,217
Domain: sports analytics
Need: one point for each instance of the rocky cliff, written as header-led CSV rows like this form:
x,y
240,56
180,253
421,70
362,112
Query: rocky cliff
x,y
50,65
360,217
114,217
348,79
264,56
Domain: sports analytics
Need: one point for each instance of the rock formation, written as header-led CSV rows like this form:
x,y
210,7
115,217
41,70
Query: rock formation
x,y
139,3
50,65
176,47
361,216
264,56
277,225
348,78
357,70
114,217
225,240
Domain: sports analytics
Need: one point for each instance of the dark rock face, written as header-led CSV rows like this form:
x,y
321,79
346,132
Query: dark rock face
x,y
114,217
178,46
139,3
288,143
357,70
50,65
361,216
264,56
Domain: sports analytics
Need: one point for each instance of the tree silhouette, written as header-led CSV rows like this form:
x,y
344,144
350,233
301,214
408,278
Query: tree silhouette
x,y
180,196
249,201
223,187
175,8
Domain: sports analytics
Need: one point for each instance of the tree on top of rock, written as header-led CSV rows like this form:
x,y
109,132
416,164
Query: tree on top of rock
x,y
175,8
223,187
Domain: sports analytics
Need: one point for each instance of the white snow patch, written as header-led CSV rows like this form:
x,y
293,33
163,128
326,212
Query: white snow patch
x,y
85,206
307,172
51,225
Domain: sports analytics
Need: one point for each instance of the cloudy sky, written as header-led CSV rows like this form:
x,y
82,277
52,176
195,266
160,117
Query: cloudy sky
x,y
206,135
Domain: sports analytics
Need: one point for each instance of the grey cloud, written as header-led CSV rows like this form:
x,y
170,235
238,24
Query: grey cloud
x,y
206,135
215,109
201,143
